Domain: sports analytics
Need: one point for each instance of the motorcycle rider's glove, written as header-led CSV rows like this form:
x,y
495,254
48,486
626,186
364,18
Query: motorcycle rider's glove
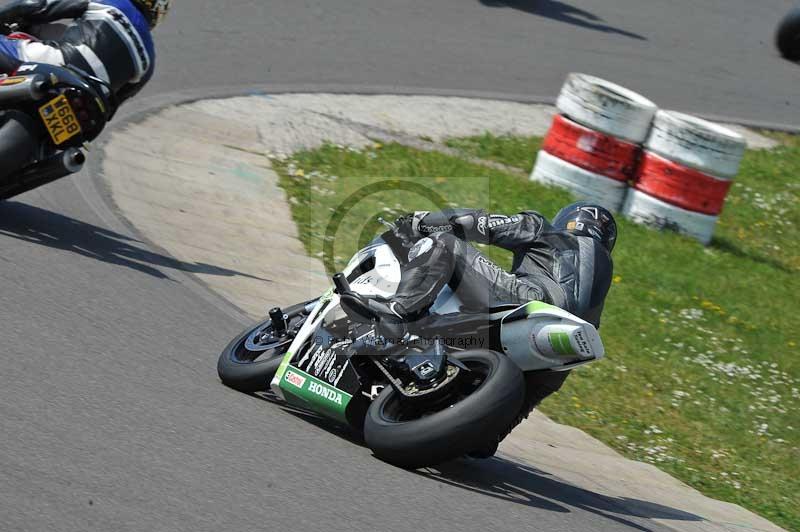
x,y
463,223
404,230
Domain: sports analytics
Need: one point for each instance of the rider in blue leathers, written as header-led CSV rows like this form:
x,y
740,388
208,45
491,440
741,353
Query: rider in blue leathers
x,y
108,39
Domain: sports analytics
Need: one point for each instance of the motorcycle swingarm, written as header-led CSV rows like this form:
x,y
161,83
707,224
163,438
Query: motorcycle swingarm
x,y
453,370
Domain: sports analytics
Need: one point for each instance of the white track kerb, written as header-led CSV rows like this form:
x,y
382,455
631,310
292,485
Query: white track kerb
x,y
196,180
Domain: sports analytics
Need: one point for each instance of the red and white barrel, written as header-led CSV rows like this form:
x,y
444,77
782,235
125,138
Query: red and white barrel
x,y
684,175
591,150
607,107
680,185
696,143
550,170
594,143
645,209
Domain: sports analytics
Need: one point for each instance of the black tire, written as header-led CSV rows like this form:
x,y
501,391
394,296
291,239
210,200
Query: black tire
x,y
251,371
472,422
788,36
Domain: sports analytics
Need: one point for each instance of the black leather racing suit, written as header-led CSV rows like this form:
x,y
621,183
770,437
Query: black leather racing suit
x,y
550,265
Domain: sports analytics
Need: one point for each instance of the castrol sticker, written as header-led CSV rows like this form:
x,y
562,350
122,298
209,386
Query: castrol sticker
x,y
294,379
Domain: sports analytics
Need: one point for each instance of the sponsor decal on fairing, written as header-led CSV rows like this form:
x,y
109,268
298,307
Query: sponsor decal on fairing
x,y
294,379
325,392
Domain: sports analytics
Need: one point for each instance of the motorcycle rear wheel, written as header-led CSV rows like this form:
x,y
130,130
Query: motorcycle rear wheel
x,y
249,367
483,406
788,36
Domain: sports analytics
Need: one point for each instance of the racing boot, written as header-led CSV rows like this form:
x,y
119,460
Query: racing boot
x,y
391,319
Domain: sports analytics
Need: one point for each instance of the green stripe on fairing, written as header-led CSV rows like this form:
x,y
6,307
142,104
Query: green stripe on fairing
x,y
560,342
284,364
533,306
305,398
327,295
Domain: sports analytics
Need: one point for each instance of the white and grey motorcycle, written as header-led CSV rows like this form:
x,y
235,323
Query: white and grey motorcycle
x,y
460,381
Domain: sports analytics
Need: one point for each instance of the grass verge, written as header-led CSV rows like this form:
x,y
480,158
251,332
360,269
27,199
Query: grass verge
x,y
702,376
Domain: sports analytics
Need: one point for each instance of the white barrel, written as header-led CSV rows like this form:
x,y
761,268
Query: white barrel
x,y
551,170
696,143
607,107
645,209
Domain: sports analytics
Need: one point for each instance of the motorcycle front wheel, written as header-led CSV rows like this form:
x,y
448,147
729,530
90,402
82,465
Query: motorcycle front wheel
x,y
482,405
250,360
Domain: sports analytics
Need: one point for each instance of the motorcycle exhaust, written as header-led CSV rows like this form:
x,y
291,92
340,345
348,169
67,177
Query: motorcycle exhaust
x,y
59,165
21,89
43,172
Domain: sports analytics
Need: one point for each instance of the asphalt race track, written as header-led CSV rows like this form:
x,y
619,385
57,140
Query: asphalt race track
x,y
111,414
715,57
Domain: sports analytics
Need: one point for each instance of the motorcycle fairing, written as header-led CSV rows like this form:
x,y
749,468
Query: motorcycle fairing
x,y
315,373
305,391
374,270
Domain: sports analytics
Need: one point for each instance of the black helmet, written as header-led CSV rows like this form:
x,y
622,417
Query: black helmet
x,y
588,219
153,10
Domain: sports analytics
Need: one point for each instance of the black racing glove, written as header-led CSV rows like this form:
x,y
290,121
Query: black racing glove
x,y
469,224
404,230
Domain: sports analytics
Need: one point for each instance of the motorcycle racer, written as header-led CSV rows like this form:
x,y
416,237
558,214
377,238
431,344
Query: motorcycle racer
x,y
108,39
566,263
